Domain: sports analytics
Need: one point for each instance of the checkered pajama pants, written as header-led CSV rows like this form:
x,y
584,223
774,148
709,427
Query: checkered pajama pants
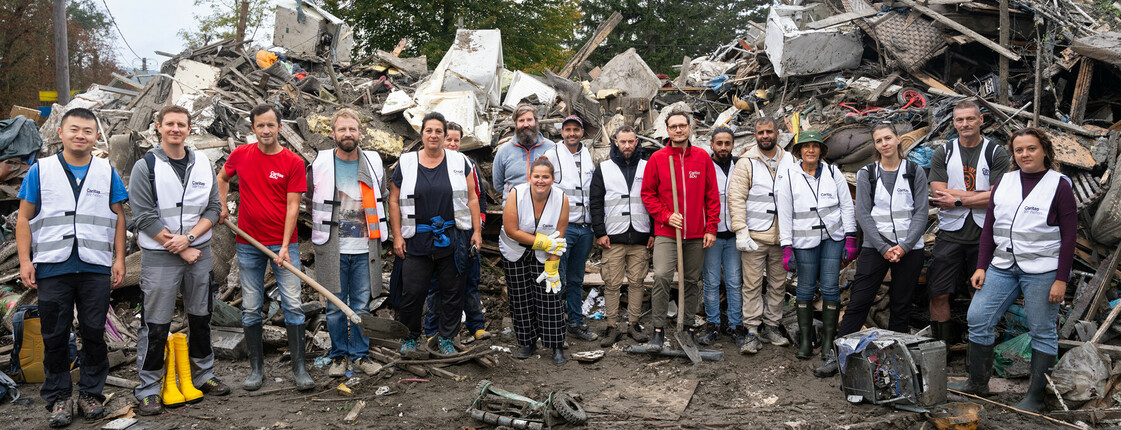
x,y
535,312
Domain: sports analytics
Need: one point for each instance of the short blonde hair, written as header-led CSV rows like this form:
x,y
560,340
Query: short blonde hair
x,y
345,113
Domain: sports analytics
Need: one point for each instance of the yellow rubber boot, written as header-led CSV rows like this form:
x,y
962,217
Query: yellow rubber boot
x,y
169,393
183,369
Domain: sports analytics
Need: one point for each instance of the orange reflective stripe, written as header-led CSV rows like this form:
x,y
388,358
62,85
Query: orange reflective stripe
x,y
370,202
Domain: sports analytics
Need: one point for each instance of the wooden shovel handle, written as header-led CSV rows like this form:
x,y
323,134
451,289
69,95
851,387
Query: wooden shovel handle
x,y
680,263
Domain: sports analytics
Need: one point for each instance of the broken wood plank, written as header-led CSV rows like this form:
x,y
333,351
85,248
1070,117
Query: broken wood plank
x,y
1112,351
1081,91
1002,74
353,415
1105,324
842,18
1083,297
585,51
934,83
400,46
879,91
962,29
1051,122
297,142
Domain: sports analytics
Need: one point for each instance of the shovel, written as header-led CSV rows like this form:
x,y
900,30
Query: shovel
x,y
683,338
371,326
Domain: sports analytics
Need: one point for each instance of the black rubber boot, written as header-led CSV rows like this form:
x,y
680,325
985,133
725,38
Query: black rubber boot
x,y
296,346
526,351
830,313
558,357
1040,367
946,333
656,340
805,329
980,370
255,345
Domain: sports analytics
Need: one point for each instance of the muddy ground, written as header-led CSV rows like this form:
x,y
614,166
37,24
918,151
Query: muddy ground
x,y
771,390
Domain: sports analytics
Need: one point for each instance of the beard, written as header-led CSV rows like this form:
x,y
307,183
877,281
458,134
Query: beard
x,y
347,145
527,136
766,144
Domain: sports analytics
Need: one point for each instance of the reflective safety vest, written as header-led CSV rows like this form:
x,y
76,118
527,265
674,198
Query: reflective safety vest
x,y
63,220
817,207
622,206
892,209
511,249
722,183
1020,230
324,198
575,180
180,207
953,219
761,204
409,164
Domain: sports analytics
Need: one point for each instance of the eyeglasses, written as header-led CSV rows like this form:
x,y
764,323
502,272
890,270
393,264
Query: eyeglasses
x,y
678,126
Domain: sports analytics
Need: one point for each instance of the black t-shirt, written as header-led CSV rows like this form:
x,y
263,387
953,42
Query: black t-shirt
x,y
432,197
180,166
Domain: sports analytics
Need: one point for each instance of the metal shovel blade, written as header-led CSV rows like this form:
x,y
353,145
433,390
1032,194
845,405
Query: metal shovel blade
x,y
383,328
688,346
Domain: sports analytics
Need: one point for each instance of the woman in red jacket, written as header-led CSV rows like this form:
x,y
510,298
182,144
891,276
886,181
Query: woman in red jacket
x,y
698,200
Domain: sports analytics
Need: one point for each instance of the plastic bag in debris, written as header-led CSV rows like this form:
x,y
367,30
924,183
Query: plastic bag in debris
x,y
845,348
921,156
265,59
19,137
1015,322
1082,374
1013,358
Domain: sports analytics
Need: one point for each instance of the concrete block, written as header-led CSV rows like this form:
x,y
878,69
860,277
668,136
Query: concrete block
x,y
228,342
628,72
795,51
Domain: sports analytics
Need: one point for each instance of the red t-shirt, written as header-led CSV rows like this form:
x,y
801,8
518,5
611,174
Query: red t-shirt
x,y
264,182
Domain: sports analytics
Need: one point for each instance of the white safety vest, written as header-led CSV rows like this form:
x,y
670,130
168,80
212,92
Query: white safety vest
x,y
180,208
62,220
409,163
622,206
892,209
953,219
550,218
1020,230
761,204
324,196
722,184
817,207
576,182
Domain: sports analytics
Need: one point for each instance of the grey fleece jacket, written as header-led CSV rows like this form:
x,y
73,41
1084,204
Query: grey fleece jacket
x,y
142,198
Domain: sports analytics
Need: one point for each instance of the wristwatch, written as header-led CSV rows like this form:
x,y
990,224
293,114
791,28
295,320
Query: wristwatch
x,y
191,237
957,202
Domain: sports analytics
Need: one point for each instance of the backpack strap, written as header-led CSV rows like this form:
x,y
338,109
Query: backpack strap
x,y
150,160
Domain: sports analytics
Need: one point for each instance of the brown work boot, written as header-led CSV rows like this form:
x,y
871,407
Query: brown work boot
x,y
636,334
150,405
90,407
62,413
215,387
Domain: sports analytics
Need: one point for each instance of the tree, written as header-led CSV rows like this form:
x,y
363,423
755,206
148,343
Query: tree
x,y
27,50
664,31
536,34
222,21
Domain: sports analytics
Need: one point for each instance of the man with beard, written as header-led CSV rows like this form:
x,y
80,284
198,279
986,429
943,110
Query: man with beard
x,y
622,229
513,158
573,168
698,200
961,174
751,203
347,190
722,260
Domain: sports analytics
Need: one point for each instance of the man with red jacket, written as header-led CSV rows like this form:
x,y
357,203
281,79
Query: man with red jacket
x,y
698,200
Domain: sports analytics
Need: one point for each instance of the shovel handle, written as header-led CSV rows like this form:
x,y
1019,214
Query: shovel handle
x,y
680,262
319,288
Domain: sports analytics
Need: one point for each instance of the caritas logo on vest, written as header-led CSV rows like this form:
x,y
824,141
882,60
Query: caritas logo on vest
x,y
1032,210
276,175
93,193
198,184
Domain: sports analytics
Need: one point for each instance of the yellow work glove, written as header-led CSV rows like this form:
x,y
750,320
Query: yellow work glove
x,y
553,243
551,276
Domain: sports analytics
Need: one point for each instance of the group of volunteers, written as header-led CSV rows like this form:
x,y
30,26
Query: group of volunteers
x,y
741,220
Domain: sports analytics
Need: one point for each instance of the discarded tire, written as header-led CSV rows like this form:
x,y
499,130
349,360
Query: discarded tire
x,y
481,387
568,409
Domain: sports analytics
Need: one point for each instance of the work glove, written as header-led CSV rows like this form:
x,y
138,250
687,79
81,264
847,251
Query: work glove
x,y
551,276
744,241
553,243
788,261
851,249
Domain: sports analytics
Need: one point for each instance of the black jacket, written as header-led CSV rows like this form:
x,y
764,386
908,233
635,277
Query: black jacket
x,y
629,167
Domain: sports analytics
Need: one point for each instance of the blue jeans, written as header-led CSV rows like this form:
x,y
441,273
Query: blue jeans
x,y
1001,288
472,304
251,264
723,253
820,265
347,340
579,238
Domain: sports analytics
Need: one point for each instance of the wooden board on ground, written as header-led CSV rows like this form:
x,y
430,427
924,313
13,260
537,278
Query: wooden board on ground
x,y
1069,152
633,398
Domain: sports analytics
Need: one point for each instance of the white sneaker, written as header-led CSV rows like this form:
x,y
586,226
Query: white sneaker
x,y
367,366
338,367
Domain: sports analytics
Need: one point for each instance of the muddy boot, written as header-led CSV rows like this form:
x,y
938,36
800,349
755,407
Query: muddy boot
x,y
1040,367
558,357
526,351
296,347
830,312
945,331
709,334
805,329
254,343
981,369
829,367
636,333
656,340
610,337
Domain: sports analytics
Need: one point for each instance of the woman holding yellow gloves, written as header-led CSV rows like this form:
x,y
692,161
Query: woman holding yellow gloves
x,y
534,218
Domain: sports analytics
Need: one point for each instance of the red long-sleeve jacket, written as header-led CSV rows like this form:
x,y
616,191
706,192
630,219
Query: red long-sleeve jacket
x,y
698,195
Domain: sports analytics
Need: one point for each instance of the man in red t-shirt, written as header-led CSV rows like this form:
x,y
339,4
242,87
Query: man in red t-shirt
x,y
271,182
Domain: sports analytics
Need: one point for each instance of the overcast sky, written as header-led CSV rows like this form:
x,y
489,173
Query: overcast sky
x,y
151,27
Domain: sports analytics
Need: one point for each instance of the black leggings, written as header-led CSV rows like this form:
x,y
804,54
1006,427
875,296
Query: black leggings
x,y
871,267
